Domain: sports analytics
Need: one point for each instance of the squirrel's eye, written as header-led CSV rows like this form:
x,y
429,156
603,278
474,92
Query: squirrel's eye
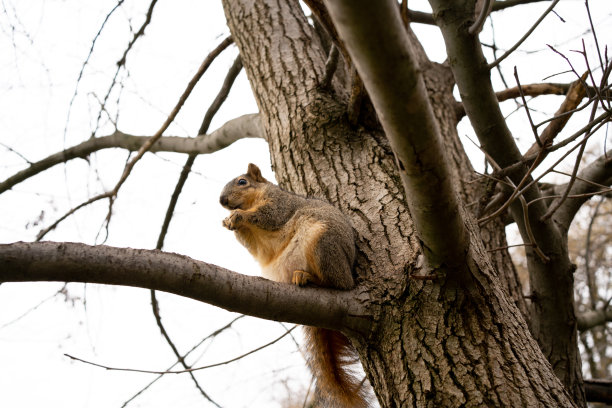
x,y
242,182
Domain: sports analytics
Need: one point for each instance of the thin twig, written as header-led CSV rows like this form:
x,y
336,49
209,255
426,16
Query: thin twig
x,y
122,60
557,204
181,359
586,4
515,193
591,127
581,179
89,54
134,370
312,380
147,145
33,308
532,241
527,34
330,67
537,250
533,128
210,113
507,247
587,256
583,195
213,334
551,168
221,97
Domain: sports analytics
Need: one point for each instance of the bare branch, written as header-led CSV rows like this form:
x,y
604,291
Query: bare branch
x,y
146,146
538,151
533,90
208,117
576,92
469,68
181,359
407,118
550,275
210,113
420,17
588,271
593,318
91,49
211,335
599,390
485,9
533,127
183,276
599,172
10,149
246,126
60,291
122,60
330,66
501,5
188,370
524,37
555,205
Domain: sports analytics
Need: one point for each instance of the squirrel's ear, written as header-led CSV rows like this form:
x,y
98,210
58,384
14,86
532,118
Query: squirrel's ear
x,y
255,173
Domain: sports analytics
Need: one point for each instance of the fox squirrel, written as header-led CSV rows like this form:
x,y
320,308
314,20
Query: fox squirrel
x,y
300,240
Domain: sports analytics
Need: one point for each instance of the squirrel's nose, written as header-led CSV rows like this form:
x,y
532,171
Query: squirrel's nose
x,y
223,200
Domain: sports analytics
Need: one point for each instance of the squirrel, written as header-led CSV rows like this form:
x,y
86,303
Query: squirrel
x,y
300,240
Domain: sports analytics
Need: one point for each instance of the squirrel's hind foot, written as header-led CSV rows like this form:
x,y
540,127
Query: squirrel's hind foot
x,y
302,278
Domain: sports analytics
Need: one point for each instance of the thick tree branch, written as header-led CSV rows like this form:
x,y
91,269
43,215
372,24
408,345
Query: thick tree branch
x,y
593,318
473,80
233,130
376,39
552,320
590,180
501,5
420,17
183,276
598,390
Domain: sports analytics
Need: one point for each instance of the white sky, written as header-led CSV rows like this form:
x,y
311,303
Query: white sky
x,y
43,45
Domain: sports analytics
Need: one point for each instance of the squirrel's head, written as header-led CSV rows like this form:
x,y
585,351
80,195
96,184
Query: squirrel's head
x,y
244,191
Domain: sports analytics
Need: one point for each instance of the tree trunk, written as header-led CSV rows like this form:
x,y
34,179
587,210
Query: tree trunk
x,y
434,342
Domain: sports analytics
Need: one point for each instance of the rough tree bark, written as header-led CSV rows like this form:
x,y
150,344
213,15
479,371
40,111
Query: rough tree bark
x,y
444,342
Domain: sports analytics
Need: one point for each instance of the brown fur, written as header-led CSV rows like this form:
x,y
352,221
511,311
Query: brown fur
x,y
330,354
299,240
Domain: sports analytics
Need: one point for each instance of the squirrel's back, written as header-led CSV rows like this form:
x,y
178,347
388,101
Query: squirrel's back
x,y
300,240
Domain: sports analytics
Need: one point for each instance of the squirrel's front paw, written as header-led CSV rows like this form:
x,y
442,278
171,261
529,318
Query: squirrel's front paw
x,y
231,222
226,223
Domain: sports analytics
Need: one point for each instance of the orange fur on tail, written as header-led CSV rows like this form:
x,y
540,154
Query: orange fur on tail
x,y
330,354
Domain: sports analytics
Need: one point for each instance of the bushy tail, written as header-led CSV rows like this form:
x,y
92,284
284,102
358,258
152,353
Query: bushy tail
x,y
330,354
